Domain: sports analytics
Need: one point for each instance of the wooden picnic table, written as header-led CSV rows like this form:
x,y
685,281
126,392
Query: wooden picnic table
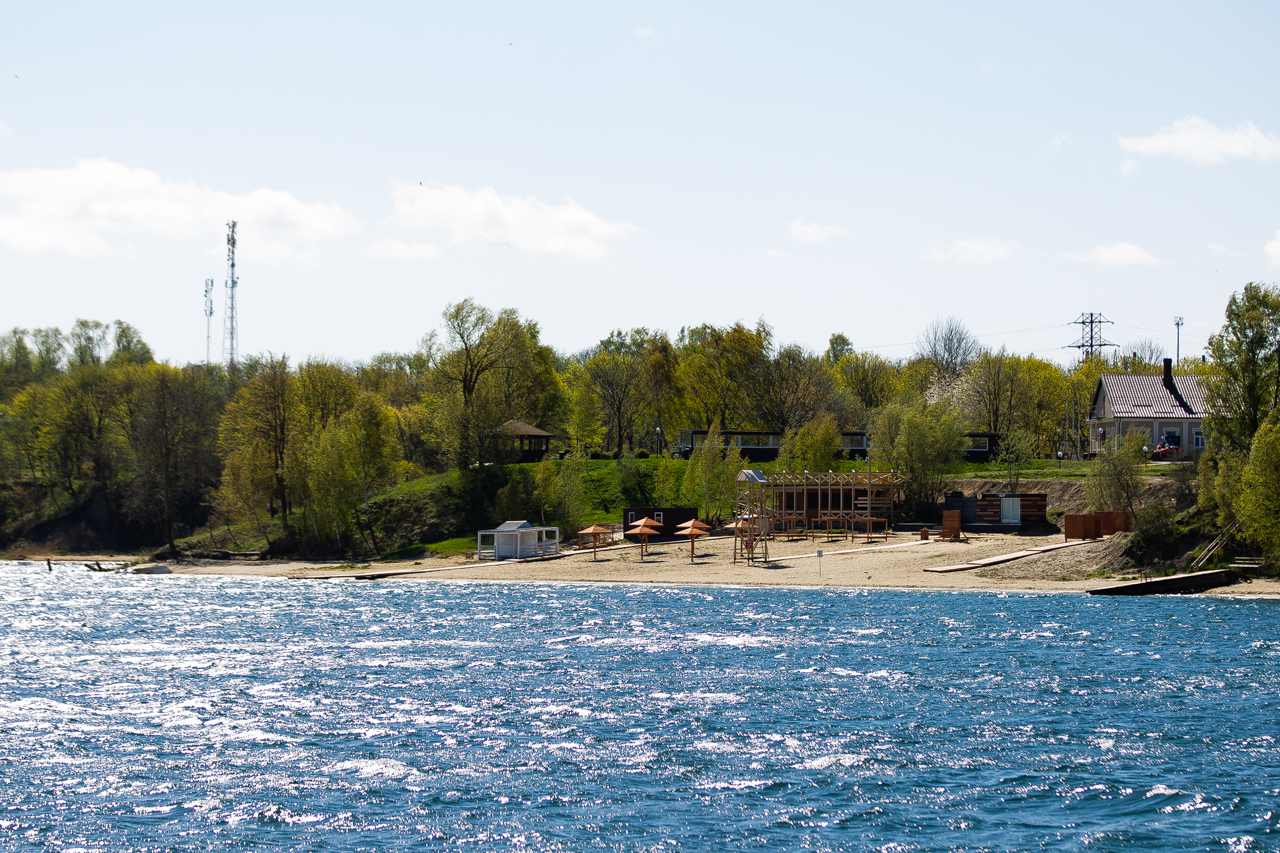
x,y
871,523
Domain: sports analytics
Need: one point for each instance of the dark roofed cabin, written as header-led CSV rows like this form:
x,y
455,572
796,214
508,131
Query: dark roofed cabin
x,y
520,442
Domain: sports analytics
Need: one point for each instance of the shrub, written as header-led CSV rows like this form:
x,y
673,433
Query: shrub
x,y
1155,533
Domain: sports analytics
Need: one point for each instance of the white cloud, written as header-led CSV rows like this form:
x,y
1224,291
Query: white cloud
x,y
982,250
524,223
1115,255
1058,140
1273,250
644,32
1128,167
94,207
5,130
398,250
774,253
812,232
1225,251
1200,142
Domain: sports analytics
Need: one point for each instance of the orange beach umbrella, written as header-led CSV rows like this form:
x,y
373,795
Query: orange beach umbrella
x,y
594,532
643,533
693,533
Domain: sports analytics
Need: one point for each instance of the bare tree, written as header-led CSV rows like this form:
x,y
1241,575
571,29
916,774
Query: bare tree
x,y
948,346
1144,356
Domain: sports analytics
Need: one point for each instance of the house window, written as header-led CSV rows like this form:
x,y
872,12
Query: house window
x,y
631,517
1199,440
976,443
657,516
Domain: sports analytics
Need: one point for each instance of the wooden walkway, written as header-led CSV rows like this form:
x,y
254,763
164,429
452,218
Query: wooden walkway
x,y
1009,558
1173,584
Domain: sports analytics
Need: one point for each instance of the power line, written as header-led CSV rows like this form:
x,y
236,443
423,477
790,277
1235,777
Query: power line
x,y
1091,338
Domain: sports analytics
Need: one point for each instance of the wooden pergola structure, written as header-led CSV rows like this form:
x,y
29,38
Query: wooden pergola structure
x,y
788,504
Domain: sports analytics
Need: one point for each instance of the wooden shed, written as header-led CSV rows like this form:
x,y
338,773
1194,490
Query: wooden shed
x,y
999,510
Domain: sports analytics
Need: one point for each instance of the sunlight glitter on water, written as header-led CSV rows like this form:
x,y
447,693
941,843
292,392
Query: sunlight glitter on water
x,y
180,713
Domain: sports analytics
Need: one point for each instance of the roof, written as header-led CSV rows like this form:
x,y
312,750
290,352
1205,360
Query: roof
x,y
514,427
1146,396
508,526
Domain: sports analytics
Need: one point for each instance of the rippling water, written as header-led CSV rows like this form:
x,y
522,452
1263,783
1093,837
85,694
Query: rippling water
x,y
180,713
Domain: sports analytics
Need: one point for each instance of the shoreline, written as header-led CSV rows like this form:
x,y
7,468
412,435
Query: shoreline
x,y
887,564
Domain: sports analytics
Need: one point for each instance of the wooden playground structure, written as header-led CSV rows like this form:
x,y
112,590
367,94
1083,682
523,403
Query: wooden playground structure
x,y
794,506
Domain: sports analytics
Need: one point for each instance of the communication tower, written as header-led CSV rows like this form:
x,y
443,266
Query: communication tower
x,y
1177,352
230,335
1091,339
208,321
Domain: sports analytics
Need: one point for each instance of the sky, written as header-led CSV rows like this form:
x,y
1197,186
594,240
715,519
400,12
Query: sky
x,y
842,167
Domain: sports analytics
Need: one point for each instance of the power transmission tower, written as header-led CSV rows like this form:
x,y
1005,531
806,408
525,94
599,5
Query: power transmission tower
x,y
230,335
208,321
1091,339
1177,352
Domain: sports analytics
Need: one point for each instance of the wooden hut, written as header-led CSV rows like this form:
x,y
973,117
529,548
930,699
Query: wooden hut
x,y
517,441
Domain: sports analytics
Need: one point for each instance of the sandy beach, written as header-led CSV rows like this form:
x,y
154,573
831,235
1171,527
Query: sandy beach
x,y
900,562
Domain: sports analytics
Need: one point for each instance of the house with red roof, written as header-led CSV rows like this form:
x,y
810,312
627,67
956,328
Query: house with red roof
x,y
1168,409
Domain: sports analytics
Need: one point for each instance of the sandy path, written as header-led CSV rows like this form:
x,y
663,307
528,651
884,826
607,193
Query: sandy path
x,y
1065,570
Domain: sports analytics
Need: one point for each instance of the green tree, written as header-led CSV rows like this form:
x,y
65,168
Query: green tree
x,y
17,364
1259,501
175,433
258,426
615,370
88,341
374,460
1016,449
923,441
545,488
129,346
1246,358
714,364
790,388
868,377
569,486
813,447
710,477
1115,478
838,346
50,349
666,482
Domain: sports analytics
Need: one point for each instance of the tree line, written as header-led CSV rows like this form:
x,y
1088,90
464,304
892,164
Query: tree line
x,y
89,420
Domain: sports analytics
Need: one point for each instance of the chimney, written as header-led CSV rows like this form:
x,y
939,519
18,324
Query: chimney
x,y
1172,388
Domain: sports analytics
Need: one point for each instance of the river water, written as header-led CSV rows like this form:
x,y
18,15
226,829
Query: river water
x,y
205,713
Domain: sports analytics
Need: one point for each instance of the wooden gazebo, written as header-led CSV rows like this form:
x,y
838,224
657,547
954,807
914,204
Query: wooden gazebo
x,y
519,442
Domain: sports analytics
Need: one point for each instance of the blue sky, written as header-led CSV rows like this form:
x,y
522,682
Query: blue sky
x,y
825,167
